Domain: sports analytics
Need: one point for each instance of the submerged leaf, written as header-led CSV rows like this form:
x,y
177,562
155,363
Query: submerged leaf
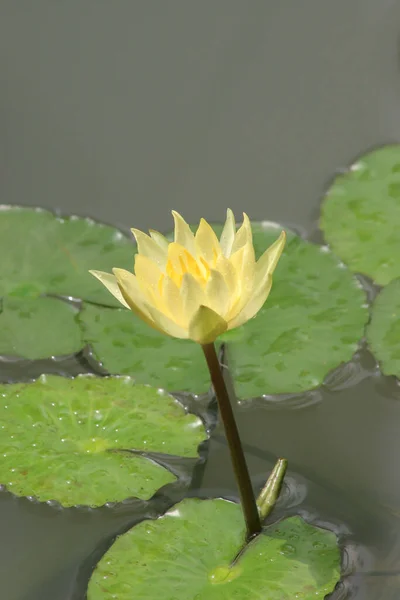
x,y
60,439
187,555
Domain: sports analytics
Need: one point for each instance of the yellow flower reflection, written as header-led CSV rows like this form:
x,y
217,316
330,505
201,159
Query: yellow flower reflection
x,y
197,286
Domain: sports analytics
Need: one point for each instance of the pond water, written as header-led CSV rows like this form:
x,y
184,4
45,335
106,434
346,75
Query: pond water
x,y
262,107
342,476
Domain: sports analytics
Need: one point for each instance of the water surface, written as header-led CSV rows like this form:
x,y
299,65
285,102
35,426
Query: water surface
x,y
125,110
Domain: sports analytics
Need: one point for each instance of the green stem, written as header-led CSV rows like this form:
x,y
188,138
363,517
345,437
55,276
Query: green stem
x,y
270,492
247,498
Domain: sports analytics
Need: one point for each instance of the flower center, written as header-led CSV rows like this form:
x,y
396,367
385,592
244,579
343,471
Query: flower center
x,y
200,269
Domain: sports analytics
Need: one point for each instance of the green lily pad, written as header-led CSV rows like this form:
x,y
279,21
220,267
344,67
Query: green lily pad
x,y
360,215
383,332
42,253
35,328
126,345
60,439
187,554
311,322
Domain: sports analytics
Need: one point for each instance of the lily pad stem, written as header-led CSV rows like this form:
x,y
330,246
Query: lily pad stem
x,y
249,505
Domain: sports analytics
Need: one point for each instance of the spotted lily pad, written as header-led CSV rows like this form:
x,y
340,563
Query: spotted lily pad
x,y
361,215
66,439
37,328
187,555
311,322
42,253
383,333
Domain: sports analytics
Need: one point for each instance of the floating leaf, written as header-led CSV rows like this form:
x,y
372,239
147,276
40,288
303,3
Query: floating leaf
x,y
45,254
361,215
37,328
383,333
59,439
126,345
311,322
187,555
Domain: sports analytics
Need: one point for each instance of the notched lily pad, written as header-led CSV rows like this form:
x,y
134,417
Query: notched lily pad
x,y
187,554
311,322
59,439
360,215
42,253
383,333
36,328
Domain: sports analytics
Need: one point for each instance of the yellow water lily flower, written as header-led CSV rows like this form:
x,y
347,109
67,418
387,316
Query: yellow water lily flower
x,y
197,286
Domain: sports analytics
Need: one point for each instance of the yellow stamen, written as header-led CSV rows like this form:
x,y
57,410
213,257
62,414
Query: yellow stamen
x,y
206,269
172,274
186,264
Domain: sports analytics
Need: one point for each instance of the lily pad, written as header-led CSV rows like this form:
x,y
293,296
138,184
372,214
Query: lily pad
x,y
360,215
311,322
383,333
66,439
42,253
187,554
126,345
35,328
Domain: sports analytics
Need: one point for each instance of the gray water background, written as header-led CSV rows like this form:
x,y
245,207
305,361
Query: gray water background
x,y
124,110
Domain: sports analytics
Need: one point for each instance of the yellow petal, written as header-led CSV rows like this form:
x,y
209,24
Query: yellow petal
x,y
183,234
244,264
255,303
133,296
192,295
147,272
150,248
206,325
262,283
150,279
160,239
218,297
110,282
166,325
207,244
244,235
243,261
172,300
225,267
236,261
180,261
268,261
228,234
